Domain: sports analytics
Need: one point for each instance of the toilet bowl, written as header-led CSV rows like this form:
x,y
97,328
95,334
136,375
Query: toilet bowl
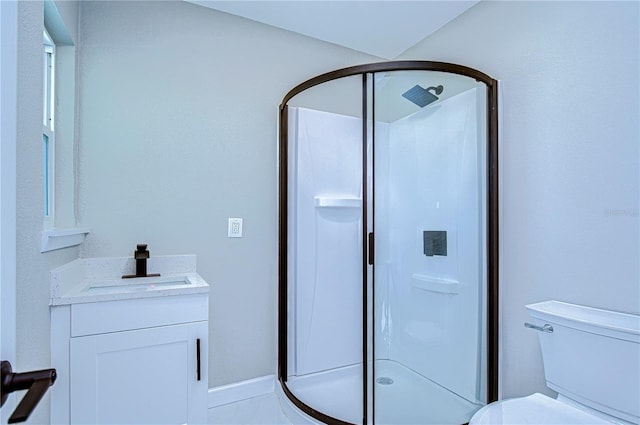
x,y
536,409
591,359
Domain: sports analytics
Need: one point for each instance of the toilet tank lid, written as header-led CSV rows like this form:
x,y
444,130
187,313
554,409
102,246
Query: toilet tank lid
x,y
579,316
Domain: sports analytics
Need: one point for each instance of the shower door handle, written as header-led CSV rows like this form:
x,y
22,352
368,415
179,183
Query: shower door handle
x,y
370,256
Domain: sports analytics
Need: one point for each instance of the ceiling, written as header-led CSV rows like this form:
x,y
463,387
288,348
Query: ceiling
x,y
380,28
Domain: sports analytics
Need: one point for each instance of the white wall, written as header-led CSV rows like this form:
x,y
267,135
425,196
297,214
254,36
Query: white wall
x,y
569,74
178,116
8,144
32,270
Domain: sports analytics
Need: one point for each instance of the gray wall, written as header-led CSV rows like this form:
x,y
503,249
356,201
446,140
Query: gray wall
x,y
178,113
570,136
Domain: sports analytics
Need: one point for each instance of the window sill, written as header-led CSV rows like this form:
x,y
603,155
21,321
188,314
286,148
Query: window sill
x,y
62,238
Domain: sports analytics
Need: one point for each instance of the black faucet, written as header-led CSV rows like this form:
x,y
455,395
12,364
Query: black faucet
x,y
141,254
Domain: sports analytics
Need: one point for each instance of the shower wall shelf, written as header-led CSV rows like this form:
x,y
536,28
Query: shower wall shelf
x,y
337,202
437,284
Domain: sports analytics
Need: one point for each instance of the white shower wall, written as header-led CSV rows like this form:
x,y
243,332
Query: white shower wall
x,y
432,318
325,241
429,175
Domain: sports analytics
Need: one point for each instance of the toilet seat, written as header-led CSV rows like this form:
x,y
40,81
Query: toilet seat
x,y
535,409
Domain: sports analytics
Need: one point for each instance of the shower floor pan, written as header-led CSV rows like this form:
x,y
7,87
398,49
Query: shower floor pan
x,y
408,399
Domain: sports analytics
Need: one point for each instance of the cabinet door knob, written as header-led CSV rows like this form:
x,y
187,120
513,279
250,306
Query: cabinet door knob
x,y
37,383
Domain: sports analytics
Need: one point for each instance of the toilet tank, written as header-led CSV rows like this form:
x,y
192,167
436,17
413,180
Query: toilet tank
x,y
591,356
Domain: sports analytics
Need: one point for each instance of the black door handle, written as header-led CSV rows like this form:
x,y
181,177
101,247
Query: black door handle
x,y
198,374
37,383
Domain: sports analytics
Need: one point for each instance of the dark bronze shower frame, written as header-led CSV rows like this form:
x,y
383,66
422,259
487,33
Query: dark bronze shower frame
x,y
492,218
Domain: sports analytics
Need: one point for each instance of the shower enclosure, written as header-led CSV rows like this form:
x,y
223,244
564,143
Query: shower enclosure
x,y
388,244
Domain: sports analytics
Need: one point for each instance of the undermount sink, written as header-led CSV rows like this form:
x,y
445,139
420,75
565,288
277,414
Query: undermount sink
x,y
156,283
99,279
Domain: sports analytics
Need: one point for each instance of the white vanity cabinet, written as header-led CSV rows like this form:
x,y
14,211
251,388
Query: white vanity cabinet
x,y
131,359
141,376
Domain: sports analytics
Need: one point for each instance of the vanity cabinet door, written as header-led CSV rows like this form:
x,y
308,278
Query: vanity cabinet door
x,y
140,376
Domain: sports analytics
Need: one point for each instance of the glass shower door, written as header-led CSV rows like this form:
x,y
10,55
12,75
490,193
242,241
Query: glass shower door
x,y
325,250
430,185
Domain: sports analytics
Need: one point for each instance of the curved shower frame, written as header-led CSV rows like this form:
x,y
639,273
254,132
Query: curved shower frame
x,y
491,223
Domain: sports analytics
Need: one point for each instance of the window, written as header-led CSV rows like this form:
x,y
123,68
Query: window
x,y
48,135
58,134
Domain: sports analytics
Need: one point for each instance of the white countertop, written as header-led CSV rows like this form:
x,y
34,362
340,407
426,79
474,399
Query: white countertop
x,y
87,280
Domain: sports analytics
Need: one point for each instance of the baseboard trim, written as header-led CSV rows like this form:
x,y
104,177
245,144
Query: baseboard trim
x,y
239,391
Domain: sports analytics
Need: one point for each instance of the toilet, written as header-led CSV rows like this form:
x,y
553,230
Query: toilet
x,y
591,359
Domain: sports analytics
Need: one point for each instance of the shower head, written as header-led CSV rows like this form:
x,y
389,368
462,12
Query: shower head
x,y
421,96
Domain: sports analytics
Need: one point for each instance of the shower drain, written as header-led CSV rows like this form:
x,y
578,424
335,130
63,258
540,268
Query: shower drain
x,y
384,380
